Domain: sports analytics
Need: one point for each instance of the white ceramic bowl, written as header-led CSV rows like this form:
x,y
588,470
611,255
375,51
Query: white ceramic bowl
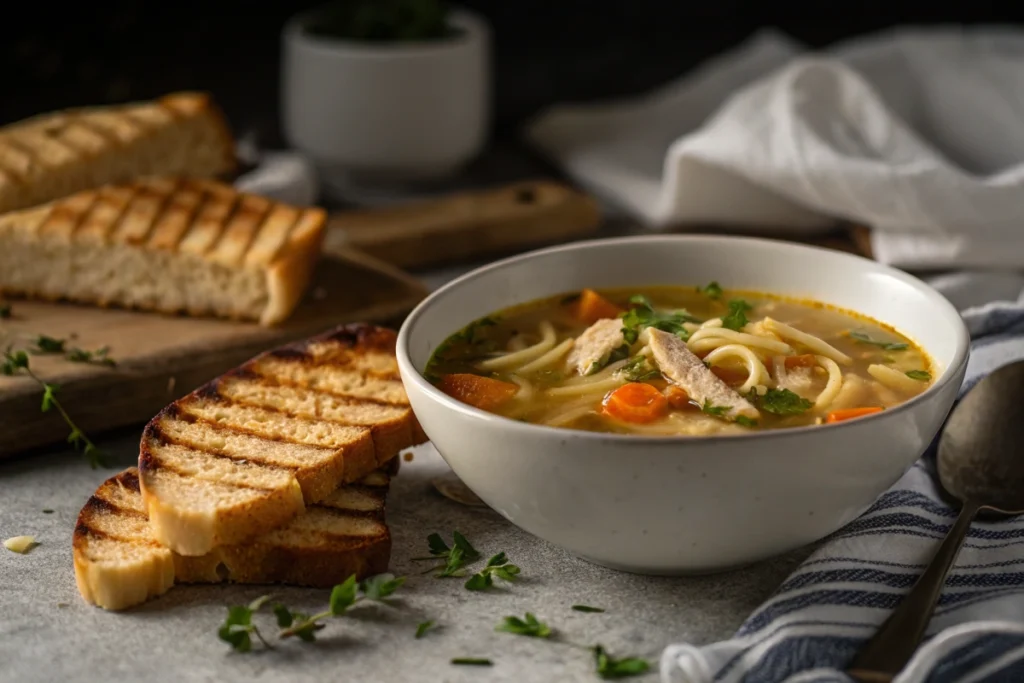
x,y
681,505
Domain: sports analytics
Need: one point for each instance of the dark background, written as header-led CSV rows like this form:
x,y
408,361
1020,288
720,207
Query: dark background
x,y
55,55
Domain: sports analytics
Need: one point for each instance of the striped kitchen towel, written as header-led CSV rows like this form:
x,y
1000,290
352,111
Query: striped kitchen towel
x,y
810,629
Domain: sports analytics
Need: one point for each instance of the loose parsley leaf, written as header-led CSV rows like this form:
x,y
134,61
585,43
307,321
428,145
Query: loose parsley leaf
x,y
381,586
745,421
472,661
456,558
530,626
422,628
888,346
285,618
736,318
587,608
712,291
343,596
919,375
238,629
98,357
47,511
639,370
715,411
5,310
437,545
642,315
497,566
43,344
610,668
14,362
783,402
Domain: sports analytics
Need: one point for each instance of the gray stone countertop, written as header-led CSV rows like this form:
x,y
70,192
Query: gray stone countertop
x,y
48,633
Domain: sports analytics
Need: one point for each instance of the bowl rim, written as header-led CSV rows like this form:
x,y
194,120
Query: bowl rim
x,y
955,367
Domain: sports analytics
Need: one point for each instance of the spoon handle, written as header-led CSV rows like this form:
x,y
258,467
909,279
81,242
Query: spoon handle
x,y
892,646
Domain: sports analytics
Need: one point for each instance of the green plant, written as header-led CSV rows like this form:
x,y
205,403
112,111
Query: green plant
x,y
383,21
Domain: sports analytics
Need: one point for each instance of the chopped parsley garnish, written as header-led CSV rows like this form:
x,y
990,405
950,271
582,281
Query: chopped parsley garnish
x,y
43,344
100,356
497,566
238,629
642,315
587,608
639,370
529,626
715,411
736,318
455,558
919,375
609,667
745,421
782,402
888,346
380,586
422,628
712,291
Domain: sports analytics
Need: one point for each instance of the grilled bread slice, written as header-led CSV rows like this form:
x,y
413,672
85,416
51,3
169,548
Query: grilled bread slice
x,y
51,156
119,564
247,452
193,246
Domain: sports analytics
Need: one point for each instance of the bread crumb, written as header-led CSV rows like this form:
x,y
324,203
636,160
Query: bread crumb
x,y
171,381
20,544
408,456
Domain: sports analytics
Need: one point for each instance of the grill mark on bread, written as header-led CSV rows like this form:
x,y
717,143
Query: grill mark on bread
x,y
147,458
8,165
177,216
91,126
144,210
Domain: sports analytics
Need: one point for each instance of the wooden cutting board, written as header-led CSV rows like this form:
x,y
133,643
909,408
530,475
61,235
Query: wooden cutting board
x,y
468,225
161,358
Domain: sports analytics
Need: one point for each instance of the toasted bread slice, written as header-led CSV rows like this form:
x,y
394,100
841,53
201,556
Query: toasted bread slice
x,y
119,564
192,246
51,156
247,452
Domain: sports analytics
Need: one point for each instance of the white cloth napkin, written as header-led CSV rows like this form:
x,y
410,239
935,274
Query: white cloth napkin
x,y
918,134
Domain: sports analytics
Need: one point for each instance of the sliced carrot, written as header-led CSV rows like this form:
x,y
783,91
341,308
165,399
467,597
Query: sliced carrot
x,y
729,375
636,402
678,398
484,393
592,307
851,413
806,360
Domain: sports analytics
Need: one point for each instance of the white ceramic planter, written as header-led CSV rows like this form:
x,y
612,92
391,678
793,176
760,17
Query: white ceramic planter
x,y
391,112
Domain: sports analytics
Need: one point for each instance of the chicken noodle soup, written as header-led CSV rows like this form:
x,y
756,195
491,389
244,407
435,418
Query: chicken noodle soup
x,y
678,361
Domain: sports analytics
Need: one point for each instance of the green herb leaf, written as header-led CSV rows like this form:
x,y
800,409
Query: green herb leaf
x,y
98,357
736,318
919,375
472,661
783,402
610,668
422,628
469,552
343,596
49,398
14,362
642,315
47,511
456,558
381,586
639,370
43,344
888,346
587,608
745,421
437,545
5,310
715,411
712,291
498,566
285,618
529,626
238,629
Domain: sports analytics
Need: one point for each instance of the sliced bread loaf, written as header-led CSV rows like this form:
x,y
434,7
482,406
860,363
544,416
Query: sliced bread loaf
x,y
175,246
119,564
247,452
53,155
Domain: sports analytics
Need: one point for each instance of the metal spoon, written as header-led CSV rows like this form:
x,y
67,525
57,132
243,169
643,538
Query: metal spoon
x,y
982,464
